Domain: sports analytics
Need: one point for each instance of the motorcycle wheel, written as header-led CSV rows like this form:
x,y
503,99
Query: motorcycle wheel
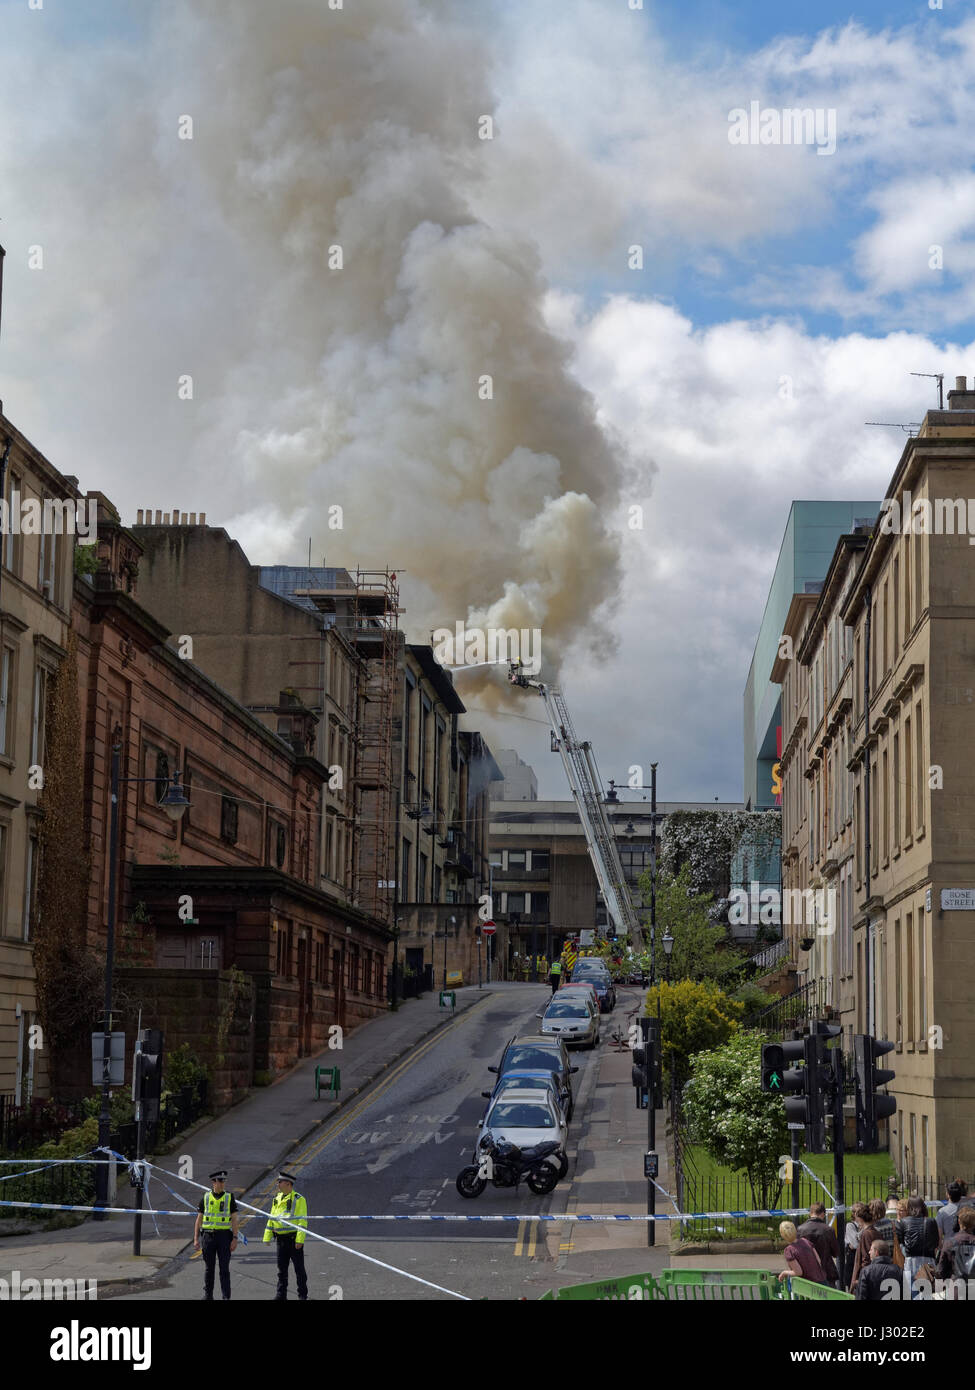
x,y
468,1182
543,1178
563,1166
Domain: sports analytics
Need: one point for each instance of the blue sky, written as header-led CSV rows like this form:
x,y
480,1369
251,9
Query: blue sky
x,y
784,299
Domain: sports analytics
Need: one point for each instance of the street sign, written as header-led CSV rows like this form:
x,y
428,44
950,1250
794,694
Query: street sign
x,y
448,999
116,1061
958,900
793,1125
488,929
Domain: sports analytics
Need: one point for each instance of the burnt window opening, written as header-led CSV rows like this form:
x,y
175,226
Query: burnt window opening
x,y
228,819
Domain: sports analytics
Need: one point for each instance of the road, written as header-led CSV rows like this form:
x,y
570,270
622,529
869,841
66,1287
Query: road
x,y
398,1149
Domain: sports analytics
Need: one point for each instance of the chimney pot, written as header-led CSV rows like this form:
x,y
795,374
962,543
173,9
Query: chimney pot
x,y
203,518
959,383
158,516
138,517
192,518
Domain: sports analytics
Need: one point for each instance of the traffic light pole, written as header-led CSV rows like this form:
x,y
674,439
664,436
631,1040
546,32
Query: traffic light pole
x,y
839,1186
140,1144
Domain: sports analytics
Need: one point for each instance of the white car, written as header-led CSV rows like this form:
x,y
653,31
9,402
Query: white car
x,y
525,1118
572,1016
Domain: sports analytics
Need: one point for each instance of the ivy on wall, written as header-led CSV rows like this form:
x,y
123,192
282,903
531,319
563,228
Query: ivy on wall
x,y
69,974
707,842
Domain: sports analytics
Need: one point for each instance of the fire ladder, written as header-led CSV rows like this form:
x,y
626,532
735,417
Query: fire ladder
x,y
581,770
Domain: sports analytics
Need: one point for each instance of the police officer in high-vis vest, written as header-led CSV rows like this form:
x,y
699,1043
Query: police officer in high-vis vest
x,y
289,1234
218,1219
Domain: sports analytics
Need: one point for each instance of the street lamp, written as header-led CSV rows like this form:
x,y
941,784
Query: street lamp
x,y
175,804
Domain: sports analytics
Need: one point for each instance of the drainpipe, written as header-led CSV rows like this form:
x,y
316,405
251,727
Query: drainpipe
x,y
866,804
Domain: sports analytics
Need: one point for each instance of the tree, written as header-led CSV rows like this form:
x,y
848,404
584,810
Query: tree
x,y
694,1016
739,1124
701,950
707,842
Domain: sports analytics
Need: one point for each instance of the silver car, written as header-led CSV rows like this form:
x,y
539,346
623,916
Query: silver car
x,y
525,1118
573,1017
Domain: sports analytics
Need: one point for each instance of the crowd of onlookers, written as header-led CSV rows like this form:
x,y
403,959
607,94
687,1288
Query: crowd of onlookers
x,y
889,1241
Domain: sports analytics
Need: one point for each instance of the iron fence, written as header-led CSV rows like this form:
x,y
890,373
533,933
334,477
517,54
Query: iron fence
x,y
737,1194
66,1184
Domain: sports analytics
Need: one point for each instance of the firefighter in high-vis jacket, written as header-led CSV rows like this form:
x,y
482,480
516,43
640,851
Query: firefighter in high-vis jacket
x,y
287,1226
218,1218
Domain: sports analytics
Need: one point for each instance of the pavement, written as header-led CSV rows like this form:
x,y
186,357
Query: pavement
x,y
251,1140
607,1175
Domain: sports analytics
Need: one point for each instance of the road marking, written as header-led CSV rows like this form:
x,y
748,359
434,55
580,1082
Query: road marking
x,y
342,1122
532,1238
520,1242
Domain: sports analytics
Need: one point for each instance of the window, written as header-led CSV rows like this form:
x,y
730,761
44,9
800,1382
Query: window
x,y
228,819
329,845
540,903
321,961
284,949
30,885
37,737
886,795
47,558
540,861
921,778
161,775
516,858
6,681
436,883
909,1011
404,885
873,817
918,562
898,982
897,586
280,845
897,792
922,984
907,589
908,783
514,902
12,552
422,885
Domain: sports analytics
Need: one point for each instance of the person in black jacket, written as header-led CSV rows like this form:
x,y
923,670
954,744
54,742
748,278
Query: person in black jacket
x,y
822,1238
881,1278
918,1235
957,1260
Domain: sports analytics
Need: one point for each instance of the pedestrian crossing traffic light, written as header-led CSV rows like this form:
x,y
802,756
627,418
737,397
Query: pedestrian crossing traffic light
x,y
804,1089
773,1065
149,1074
871,1107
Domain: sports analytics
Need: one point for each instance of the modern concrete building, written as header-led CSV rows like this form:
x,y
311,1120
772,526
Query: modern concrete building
x,y
36,578
545,887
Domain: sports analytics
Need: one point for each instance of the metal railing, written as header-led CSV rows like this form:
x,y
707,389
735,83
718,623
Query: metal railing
x,y
793,1011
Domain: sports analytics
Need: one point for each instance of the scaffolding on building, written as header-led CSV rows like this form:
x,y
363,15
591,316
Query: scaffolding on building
x,y
365,609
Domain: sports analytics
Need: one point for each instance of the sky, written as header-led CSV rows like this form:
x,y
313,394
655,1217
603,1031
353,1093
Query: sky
x,y
680,333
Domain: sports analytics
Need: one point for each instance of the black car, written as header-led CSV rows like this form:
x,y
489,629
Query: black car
x,y
601,980
536,1053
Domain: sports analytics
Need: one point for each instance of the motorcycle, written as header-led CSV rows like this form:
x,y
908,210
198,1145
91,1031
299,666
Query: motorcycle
x,y
503,1164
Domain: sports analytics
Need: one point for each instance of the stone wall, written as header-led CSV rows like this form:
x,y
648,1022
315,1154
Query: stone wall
x,y
212,1011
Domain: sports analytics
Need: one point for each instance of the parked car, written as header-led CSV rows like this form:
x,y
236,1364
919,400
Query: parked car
x,y
540,1054
591,970
545,1081
575,1018
526,1118
586,988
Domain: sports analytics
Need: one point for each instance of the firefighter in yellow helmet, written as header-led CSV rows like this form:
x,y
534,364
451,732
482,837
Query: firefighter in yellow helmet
x,y
287,1226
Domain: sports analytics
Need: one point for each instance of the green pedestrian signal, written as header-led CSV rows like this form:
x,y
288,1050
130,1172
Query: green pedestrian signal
x,y
773,1060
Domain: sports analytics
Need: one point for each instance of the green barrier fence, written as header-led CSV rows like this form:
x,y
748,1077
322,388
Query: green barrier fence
x,y
698,1286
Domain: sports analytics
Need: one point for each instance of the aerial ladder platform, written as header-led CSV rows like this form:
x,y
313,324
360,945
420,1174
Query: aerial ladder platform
x,y
581,770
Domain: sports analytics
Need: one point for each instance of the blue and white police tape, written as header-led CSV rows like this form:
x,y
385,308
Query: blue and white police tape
x,y
780,1212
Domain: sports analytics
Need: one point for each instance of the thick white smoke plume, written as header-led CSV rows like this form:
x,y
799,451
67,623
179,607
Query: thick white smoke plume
x,y
362,386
